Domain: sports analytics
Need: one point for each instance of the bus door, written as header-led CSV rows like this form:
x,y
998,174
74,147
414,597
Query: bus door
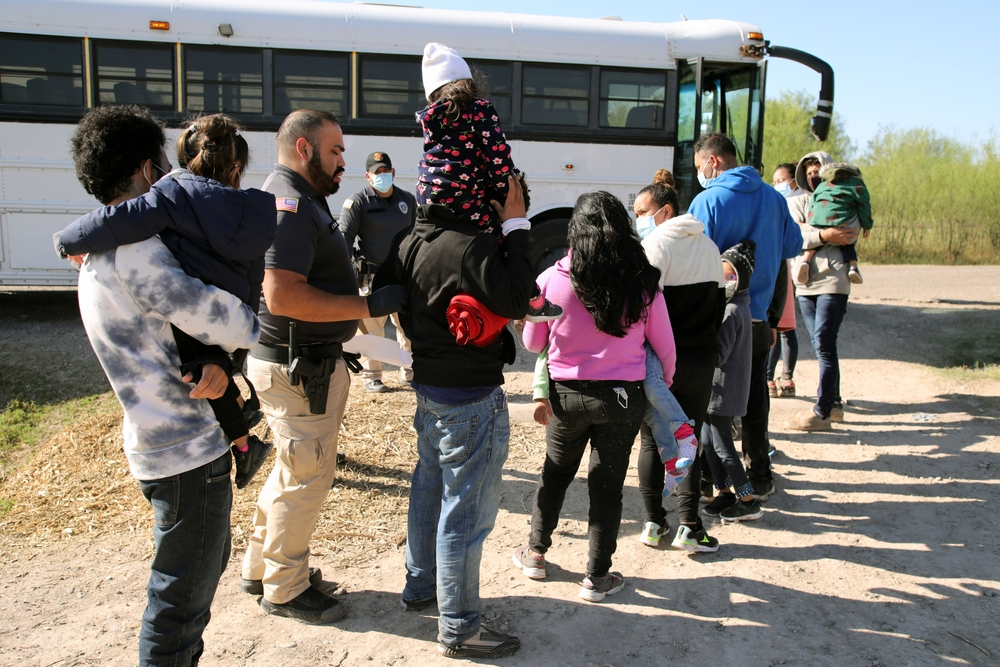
x,y
717,97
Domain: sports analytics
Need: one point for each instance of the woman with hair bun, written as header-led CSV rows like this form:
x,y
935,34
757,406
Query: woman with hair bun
x,y
218,233
597,363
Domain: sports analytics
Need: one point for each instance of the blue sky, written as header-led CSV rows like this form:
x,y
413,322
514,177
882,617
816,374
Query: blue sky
x,y
902,64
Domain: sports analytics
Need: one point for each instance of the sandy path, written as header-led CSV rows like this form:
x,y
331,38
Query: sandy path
x,y
881,547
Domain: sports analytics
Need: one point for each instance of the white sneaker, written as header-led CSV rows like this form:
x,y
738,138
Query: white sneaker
x,y
651,533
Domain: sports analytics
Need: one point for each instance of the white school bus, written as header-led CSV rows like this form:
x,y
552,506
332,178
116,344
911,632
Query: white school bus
x,y
586,103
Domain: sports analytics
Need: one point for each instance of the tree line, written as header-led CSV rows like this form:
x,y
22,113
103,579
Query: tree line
x,y
935,199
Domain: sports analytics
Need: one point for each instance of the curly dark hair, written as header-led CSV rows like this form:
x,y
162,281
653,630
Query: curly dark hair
x,y
110,144
212,146
608,267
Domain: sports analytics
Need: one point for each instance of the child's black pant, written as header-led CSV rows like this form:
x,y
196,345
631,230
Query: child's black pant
x,y
226,408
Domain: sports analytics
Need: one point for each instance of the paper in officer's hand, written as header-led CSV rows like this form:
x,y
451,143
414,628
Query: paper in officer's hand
x,y
382,349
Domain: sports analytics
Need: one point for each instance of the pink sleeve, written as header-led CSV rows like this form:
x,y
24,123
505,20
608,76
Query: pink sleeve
x,y
661,337
536,336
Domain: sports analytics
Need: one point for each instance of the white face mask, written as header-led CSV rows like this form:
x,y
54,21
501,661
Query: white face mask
x,y
784,189
382,182
705,180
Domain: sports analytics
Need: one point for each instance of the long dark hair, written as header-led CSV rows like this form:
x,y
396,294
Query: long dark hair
x,y
608,267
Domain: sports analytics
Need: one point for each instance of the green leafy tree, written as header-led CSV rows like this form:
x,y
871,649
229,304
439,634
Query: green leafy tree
x,y
787,134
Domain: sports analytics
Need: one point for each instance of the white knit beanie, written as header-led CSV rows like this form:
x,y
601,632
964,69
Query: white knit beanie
x,y
442,65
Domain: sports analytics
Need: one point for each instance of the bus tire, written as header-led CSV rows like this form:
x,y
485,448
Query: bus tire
x,y
547,243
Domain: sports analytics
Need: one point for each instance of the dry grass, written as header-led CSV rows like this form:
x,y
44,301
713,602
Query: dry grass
x,y
78,483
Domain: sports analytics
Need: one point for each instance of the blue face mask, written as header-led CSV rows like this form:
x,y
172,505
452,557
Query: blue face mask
x,y
784,189
645,225
382,182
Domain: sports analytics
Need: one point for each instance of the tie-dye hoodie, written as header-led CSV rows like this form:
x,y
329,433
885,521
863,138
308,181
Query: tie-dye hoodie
x,y
129,297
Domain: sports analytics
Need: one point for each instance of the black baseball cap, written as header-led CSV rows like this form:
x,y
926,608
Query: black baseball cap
x,y
376,161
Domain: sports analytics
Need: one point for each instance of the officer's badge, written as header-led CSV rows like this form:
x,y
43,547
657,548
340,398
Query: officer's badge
x,y
403,207
377,156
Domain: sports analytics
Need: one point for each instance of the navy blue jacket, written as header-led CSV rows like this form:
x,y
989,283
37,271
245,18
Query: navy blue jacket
x,y
217,233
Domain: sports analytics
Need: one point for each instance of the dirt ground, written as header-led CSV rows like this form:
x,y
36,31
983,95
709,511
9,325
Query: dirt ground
x,y
879,549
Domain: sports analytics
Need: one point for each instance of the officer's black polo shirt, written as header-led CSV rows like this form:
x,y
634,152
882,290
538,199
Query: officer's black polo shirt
x,y
375,220
307,241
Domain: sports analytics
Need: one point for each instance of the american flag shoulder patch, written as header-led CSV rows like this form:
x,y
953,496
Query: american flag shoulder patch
x,y
287,204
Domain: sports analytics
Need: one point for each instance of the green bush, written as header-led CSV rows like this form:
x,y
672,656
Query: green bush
x,y
935,199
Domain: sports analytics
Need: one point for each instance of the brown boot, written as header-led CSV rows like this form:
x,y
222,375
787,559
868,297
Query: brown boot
x,y
808,420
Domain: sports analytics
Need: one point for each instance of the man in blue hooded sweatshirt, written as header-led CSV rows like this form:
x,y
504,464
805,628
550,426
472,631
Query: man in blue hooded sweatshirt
x,y
736,205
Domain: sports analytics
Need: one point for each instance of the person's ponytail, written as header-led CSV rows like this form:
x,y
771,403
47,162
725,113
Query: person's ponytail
x,y
212,147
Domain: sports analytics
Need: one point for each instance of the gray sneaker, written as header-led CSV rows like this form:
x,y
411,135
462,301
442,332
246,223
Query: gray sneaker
x,y
531,564
595,590
763,490
374,386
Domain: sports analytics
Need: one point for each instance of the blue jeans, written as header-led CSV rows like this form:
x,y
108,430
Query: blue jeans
x,y
822,315
454,499
663,413
191,532
786,349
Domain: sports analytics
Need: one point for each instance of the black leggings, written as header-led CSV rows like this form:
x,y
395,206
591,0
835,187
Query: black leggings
x,y
693,390
588,411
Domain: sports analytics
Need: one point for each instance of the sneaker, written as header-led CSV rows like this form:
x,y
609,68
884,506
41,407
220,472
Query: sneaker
x,y
652,532
772,389
695,540
854,275
837,413
250,461
374,386
256,586
417,605
546,312
311,606
802,275
742,511
486,645
787,389
808,420
763,490
531,564
723,501
595,590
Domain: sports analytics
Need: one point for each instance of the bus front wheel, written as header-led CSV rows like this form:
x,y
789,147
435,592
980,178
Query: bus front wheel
x,y
548,243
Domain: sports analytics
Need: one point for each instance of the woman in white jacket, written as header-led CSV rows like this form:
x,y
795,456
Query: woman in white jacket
x,y
694,289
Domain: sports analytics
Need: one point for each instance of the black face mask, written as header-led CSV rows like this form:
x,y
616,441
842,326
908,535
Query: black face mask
x,y
814,182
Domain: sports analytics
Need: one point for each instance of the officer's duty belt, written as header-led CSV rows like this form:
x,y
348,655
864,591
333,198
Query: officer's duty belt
x,y
278,354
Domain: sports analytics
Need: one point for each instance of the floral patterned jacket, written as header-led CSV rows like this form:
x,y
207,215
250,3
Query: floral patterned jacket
x,y
465,164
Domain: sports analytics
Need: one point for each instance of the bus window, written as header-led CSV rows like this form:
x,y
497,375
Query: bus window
x,y
311,80
499,84
730,104
131,73
687,98
391,87
555,95
224,80
45,71
632,99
